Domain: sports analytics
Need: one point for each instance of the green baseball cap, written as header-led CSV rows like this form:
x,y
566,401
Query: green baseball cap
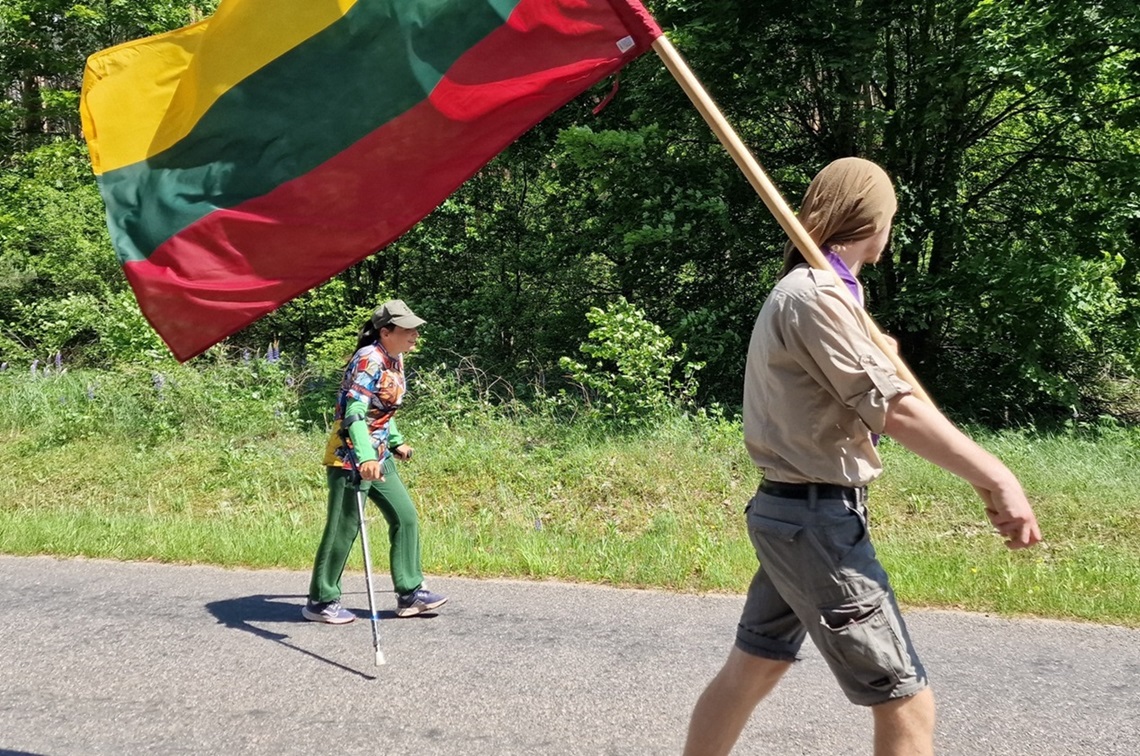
x,y
395,312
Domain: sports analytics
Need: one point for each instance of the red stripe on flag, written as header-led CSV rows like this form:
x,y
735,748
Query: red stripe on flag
x,y
235,265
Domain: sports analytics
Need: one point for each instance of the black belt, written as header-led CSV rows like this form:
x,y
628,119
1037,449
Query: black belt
x,y
822,491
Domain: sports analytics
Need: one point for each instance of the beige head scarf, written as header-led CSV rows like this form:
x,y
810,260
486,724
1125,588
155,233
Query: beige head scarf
x,y
849,200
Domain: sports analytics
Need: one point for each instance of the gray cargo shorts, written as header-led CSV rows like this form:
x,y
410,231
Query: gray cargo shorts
x,y
819,576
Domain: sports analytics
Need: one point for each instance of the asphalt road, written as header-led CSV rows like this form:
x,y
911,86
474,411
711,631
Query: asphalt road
x,y
104,657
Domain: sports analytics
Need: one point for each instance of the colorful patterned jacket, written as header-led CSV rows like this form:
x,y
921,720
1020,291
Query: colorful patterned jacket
x,y
373,389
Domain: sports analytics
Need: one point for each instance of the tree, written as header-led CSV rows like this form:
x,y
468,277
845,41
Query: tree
x,y
974,107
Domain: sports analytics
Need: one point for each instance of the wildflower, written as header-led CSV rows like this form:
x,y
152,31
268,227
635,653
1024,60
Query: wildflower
x,y
273,353
289,381
159,381
538,523
58,361
245,355
90,393
3,366
35,364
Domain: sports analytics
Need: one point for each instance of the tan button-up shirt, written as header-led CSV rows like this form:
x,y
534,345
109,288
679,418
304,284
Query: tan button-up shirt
x,y
816,387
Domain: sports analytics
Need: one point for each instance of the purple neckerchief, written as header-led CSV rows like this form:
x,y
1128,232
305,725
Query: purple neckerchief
x,y
844,274
848,278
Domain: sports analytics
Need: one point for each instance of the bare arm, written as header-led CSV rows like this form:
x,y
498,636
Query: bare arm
x,y
928,433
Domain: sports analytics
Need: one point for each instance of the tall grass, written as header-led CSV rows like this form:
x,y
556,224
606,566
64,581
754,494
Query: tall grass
x,y
222,465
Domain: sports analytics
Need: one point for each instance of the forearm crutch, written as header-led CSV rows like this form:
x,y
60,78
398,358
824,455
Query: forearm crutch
x,y
357,483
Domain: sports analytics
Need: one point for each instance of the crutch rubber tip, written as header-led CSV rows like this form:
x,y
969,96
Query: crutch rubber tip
x,y
380,659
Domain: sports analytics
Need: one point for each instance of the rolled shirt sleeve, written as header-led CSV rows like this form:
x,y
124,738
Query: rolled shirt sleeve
x,y
829,338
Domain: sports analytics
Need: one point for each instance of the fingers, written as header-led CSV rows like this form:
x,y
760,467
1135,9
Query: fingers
x,y
1020,533
1013,520
1026,534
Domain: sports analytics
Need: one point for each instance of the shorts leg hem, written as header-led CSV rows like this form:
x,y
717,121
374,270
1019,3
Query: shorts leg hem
x,y
903,691
766,653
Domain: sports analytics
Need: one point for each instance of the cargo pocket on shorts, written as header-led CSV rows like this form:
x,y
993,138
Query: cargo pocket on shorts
x,y
841,536
776,542
864,638
777,529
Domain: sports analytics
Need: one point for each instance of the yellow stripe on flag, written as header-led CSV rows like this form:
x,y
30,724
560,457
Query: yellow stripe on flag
x,y
161,86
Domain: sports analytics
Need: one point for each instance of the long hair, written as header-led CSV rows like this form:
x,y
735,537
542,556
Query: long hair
x,y
792,258
367,336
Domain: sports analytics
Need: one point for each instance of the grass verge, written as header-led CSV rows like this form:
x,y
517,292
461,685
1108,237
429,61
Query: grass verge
x,y
527,496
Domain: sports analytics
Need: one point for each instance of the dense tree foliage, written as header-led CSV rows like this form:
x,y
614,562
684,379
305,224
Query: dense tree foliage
x,y
1010,126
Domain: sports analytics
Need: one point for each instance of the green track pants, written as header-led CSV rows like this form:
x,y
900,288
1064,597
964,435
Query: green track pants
x,y
343,525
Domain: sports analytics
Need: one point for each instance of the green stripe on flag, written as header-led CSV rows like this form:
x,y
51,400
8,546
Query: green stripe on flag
x,y
292,115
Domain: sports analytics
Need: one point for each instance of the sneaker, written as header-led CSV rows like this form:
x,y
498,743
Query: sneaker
x,y
328,611
417,602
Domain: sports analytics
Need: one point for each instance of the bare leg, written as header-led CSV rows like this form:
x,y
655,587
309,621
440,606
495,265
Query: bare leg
x,y
905,727
727,703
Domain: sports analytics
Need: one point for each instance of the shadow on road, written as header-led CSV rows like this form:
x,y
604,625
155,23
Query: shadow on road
x,y
243,612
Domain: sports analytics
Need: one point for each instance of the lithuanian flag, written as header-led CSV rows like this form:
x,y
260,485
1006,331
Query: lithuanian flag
x,y
251,156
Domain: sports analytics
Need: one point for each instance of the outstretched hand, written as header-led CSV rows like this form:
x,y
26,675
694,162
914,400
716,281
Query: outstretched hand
x,y
1011,514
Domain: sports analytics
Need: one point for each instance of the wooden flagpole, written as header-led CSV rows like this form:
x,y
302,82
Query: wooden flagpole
x,y
767,190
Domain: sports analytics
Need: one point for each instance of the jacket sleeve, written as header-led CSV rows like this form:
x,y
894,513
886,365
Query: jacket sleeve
x,y
395,438
358,432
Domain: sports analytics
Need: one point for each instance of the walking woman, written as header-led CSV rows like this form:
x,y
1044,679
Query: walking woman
x,y
370,393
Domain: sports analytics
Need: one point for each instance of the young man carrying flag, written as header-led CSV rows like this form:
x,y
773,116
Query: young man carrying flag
x,y
817,390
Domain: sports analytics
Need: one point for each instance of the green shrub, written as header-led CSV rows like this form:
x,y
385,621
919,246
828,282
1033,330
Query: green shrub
x,y
630,377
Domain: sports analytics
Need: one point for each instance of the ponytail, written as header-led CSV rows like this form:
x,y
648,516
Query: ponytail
x,y
368,335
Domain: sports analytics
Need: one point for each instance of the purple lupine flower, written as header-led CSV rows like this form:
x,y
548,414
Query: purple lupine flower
x,y
245,355
289,381
538,523
159,381
63,400
35,364
90,392
58,361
